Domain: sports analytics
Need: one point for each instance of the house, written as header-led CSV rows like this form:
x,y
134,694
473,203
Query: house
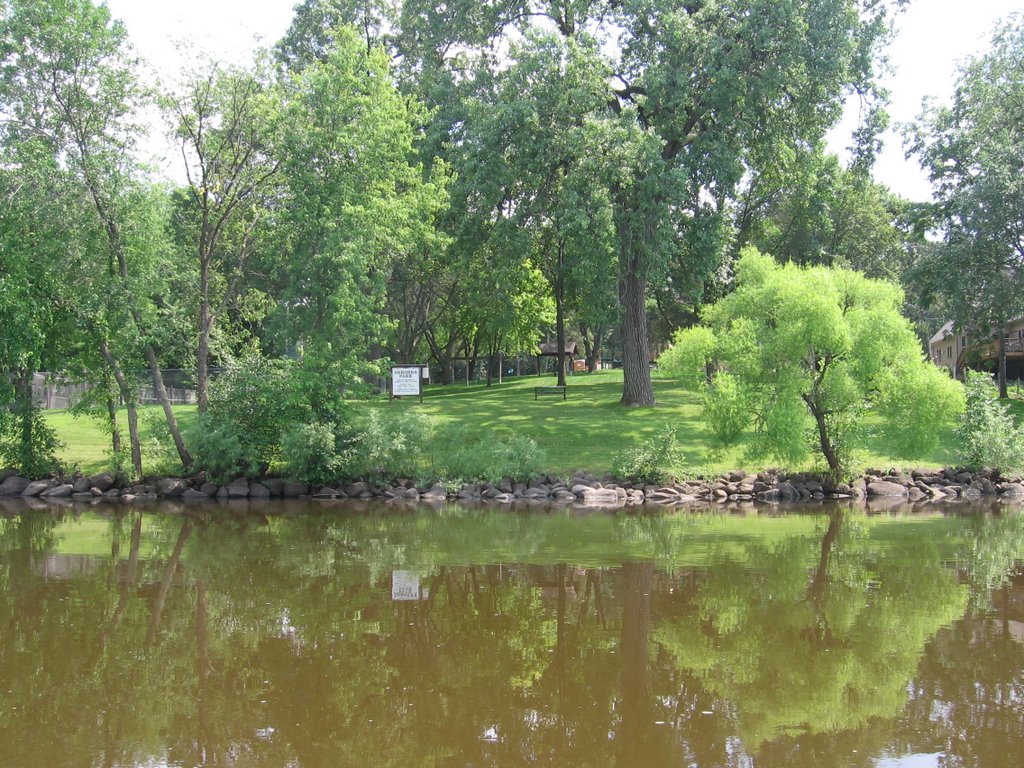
x,y
957,351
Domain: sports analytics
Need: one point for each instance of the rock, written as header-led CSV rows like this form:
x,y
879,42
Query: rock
x,y
238,489
210,489
58,492
503,498
171,487
1011,489
80,485
357,488
7,472
36,488
505,486
223,493
435,493
191,496
259,491
275,485
535,492
326,492
788,492
886,488
82,496
971,493
770,494
128,498
14,486
292,489
564,497
598,496
964,478
915,494
142,490
104,481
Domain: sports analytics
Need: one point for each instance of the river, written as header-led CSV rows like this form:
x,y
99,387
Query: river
x,y
304,635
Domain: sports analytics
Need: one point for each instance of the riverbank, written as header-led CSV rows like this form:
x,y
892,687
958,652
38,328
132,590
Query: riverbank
x,y
580,489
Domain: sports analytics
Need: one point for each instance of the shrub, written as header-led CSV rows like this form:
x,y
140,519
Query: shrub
x,y
652,462
258,399
222,451
988,435
486,456
391,444
313,453
28,442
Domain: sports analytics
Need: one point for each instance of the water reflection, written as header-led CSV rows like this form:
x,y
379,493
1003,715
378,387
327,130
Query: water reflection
x,y
294,636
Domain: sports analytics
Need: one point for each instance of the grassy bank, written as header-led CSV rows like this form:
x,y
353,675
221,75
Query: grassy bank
x,y
583,432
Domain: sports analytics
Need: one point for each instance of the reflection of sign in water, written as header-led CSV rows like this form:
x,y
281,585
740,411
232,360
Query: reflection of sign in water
x,y
405,585
405,380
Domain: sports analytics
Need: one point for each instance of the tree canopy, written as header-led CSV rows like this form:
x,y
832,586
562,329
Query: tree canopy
x,y
803,356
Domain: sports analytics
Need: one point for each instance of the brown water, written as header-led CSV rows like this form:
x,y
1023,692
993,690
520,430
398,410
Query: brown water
x,y
298,636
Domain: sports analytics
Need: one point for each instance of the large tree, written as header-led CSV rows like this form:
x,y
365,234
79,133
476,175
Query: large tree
x,y
974,153
693,88
69,81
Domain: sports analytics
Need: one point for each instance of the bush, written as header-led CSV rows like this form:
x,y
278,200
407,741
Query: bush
x,y
314,453
392,444
29,443
222,451
652,462
487,456
988,434
259,400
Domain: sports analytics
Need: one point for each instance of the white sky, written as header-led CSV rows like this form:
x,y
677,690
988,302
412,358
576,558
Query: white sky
x,y
933,36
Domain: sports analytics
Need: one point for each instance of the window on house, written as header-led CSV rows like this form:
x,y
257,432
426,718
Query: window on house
x,y
949,352
938,355
963,341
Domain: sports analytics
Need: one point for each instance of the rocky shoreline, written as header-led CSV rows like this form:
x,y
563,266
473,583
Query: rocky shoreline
x,y
581,489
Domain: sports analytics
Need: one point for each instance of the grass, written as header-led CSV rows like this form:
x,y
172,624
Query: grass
x,y
585,431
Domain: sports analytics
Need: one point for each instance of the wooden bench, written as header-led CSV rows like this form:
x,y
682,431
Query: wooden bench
x,y
553,390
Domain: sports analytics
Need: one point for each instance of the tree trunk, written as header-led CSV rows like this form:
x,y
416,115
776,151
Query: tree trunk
x,y
128,395
115,431
161,395
824,441
203,347
636,364
560,313
1003,394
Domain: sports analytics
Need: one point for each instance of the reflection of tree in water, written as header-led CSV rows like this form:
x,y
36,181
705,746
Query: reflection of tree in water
x,y
240,643
824,652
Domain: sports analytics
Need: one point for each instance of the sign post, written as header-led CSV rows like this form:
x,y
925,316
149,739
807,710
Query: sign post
x,y
405,381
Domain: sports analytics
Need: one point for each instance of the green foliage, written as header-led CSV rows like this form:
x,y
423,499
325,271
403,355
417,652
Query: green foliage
x,y
313,453
391,444
988,435
691,353
725,408
161,455
223,451
28,442
651,462
806,352
258,399
473,454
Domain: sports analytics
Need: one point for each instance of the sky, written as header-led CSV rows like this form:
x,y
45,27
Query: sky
x,y
933,37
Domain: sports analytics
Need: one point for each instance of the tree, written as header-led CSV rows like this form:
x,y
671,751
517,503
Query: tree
x,y
354,200
802,353
221,120
974,153
692,89
68,80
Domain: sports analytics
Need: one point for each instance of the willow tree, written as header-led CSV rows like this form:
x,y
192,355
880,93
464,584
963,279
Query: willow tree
x,y
800,355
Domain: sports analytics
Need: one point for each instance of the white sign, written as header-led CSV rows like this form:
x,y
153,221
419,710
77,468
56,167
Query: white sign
x,y
405,380
405,585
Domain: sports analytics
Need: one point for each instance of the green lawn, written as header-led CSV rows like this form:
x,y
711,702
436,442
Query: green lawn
x,y
583,432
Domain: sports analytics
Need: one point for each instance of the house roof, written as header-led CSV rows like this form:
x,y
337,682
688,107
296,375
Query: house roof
x,y
551,348
942,333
